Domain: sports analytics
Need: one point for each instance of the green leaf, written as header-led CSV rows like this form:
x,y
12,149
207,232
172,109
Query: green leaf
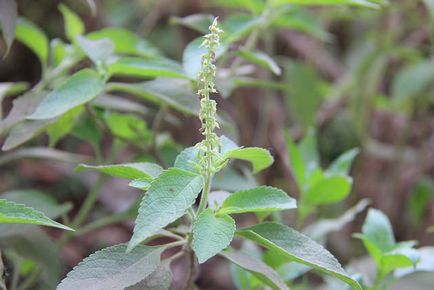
x,y
425,263
297,247
260,199
127,170
227,145
22,107
8,17
79,89
141,183
63,125
188,159
177,94
98,51
260,270
296,162
197,22
399,258
211,234
126,42
259,157
378,230
192,55
237,27
363,3
24,132
319,229
39,201
171,194
127,126
309,150
11,212
34,38
342,164
262,59
113,269
328,190
160,279
73,24
138,67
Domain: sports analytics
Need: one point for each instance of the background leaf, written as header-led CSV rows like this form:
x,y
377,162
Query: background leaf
x,y
34,38
8,16
127,170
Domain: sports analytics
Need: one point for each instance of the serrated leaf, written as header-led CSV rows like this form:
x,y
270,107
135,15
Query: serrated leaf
x,y
113,269
37,200
260,270
79,89
262,59
188,159
297,247
328,190
34,38
197,22
177,94
260,199
126,170
11,212
126,42
160,279
73,24
259,157
98,51
139,67
171,194
343,163
8,16
211,234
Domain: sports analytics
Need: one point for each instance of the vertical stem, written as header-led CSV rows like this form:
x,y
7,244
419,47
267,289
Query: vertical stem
x,y
204,196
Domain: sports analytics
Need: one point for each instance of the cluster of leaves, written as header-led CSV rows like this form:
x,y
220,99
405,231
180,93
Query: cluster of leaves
x,y
85,103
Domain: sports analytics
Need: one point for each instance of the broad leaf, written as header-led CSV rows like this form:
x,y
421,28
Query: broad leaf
x,y
328,190
211,234
259,157
188,159
79,89
260,199
113,269
262,59
260,270
138,67
73,24
297,247
126,42
170,195
11,212
98,51
39,201
8,17
34,38
160,279
177,94
127,170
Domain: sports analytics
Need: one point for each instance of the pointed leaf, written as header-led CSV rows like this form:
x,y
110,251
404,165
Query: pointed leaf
x,y
342,164
11,212
113,269
197,22
25,131
211,234
328,190
138,67
97,50
126,170
259,157
73,24
79,89
34,38
171,194
378,230
257,268
8,16
297,247
260,199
